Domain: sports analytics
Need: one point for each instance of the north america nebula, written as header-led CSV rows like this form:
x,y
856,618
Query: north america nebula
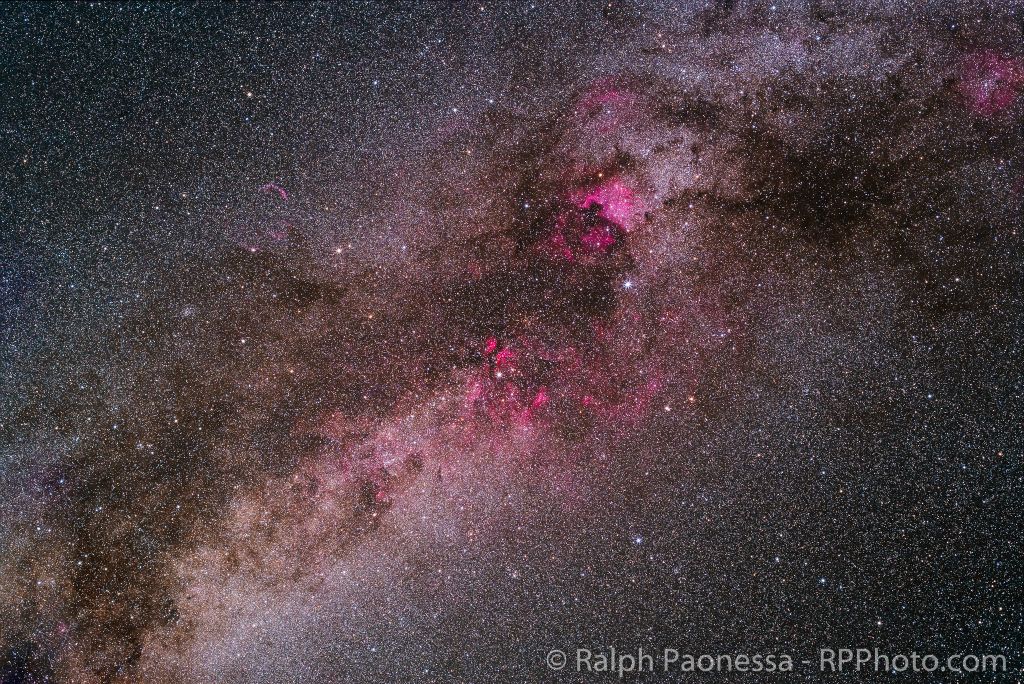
x,y
374,342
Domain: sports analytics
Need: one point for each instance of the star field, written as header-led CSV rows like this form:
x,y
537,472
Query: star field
x,y
358,342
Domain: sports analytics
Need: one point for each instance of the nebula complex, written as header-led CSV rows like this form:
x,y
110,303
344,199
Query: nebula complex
x,y
410,344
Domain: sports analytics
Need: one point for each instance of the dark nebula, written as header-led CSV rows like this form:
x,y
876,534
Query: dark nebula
x,y
359,342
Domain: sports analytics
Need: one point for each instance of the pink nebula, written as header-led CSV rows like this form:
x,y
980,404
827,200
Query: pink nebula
x,y
618,202
274,188
533,383
592,222
991,82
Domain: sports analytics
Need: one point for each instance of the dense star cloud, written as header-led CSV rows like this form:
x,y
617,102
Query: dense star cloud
x,y
359,343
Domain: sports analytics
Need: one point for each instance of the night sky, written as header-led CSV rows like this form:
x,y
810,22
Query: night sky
x,y
372,342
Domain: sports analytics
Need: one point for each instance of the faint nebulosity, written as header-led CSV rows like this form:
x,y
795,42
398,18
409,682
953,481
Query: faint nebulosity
x,y
366,342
